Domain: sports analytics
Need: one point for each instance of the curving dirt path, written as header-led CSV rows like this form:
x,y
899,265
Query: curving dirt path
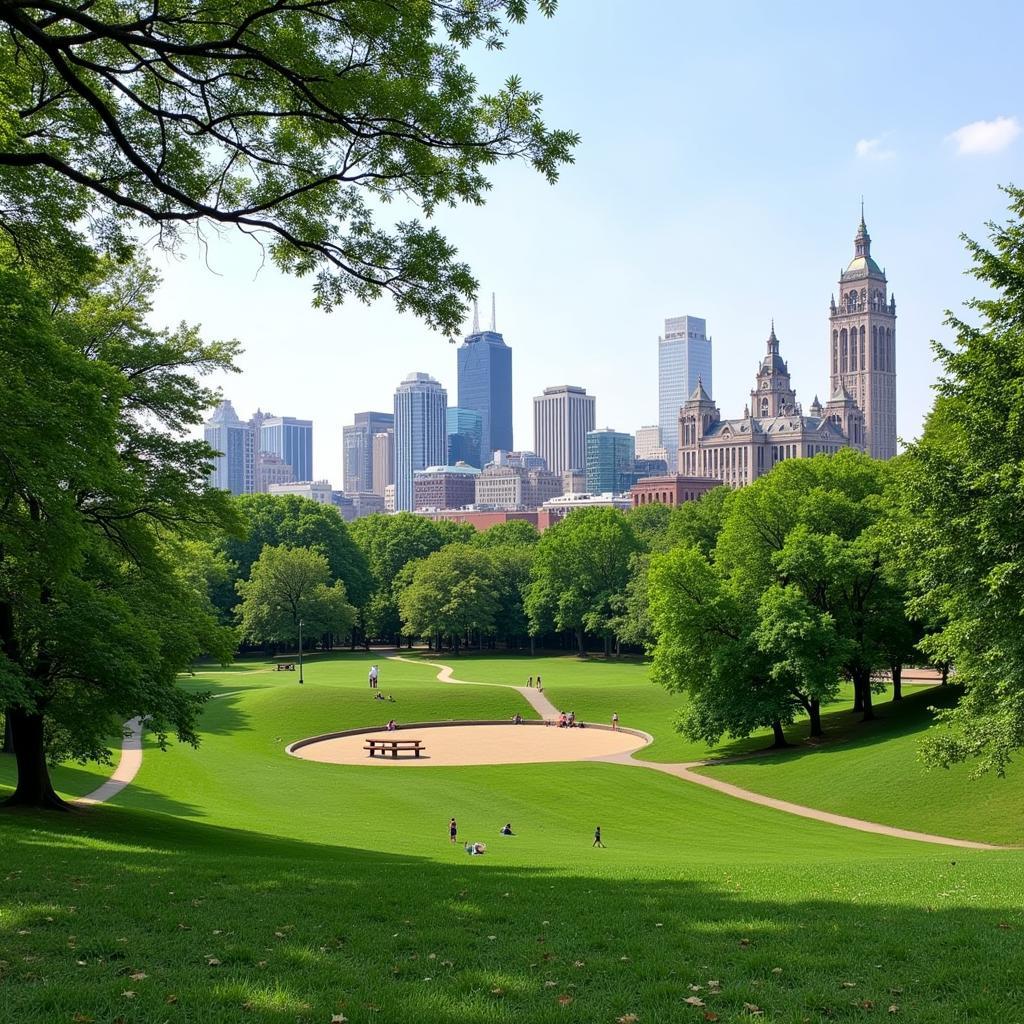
x,y
685,772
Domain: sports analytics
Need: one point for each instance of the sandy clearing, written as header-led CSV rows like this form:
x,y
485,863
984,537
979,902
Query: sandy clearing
x,y
479,744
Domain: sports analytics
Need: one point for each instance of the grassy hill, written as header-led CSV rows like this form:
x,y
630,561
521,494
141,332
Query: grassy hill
x,y
236,884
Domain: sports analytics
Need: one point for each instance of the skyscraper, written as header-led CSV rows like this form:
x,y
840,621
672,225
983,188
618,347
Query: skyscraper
x,y
485,385
357,449
863,344
292,440
383,461
684,357
648,443
234,468
562,416
421,438
465,436
610,461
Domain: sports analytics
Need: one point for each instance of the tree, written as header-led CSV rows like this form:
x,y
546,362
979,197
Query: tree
x,y
452,594
294,122
99,487
797,591
294,521
580,572
389,543
514,532
289,586
963,503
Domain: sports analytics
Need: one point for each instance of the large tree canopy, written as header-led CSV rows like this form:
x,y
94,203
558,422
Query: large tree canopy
x,y
963,504
100,604
294,120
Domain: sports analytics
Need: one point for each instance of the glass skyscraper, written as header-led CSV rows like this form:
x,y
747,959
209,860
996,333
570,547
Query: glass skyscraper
x,y
235,464
610,461
421,436
465,432
485,386
684,357
291,440
357,449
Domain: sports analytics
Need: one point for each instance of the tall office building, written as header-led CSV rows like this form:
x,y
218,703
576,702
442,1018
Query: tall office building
x,y
291,440
357,449
863,345
684,358
610,461
421,437
485,385
383,460
562,416
234,468
465,436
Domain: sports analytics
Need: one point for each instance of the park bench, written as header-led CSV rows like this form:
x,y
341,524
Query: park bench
x,y
286,666
394,746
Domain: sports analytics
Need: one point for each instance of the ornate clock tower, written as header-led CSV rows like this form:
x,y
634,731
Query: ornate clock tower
x,y
863,345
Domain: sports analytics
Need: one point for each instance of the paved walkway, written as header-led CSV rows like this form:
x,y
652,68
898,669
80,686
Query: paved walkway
x,y
126,770
685,771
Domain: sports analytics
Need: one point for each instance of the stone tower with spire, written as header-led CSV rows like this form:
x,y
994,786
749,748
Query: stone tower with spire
x,y
862,353
772,394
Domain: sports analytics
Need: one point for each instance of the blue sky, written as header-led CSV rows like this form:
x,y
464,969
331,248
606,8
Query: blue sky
x,y
725,150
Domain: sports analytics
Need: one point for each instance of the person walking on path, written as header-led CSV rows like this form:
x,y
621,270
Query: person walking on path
x,y
453,831
615,723
539,687
529,682
597,837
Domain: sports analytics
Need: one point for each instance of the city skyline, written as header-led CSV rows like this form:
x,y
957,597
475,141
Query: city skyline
x,y
759,226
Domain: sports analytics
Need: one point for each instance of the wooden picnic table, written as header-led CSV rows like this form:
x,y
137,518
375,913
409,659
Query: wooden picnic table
x,y
393,746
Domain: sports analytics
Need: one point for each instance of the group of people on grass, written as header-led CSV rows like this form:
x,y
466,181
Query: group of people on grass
x,y
476,849
538,685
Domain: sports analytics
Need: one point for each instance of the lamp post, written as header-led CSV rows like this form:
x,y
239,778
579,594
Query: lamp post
x,y
300,652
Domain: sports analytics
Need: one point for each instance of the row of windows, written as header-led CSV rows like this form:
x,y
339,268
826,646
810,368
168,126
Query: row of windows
x,y
849,350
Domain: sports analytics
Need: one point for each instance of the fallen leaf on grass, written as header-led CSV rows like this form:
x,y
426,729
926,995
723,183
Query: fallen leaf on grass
x,y
578,963
339,1018
753,1009
849,984
776,970
497,991
138,976
744,943
550,984
894,1008
212,961
564,1000
627,1018
694,1001
866,1004
171,999
129,994
696,988
710,1015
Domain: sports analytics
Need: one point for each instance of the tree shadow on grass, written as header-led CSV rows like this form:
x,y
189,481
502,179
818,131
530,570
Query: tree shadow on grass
x,y
236,927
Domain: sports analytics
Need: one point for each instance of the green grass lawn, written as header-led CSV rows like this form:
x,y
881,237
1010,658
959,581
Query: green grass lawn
x,y
236,884
873,772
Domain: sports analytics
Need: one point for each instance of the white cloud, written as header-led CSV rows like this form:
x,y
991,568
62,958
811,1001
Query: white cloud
x,y
985,136
873,149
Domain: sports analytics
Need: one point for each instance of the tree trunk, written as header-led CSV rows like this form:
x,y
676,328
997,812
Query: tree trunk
x,y
579,641
532,640
897,680
780,735
34,788
858,696
8,747
864,685
814,714
945,673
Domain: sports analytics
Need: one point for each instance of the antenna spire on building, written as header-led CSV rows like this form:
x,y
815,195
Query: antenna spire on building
x,y
476,318
494,319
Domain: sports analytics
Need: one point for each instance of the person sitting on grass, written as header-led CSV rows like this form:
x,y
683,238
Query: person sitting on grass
x,y
517,719
475,849
392,725
506,829
378,695
562,721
